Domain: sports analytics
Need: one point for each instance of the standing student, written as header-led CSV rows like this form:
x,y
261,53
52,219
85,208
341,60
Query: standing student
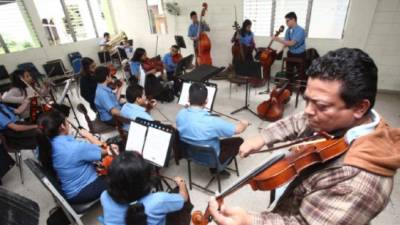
x,y
88,83
245,38
295,40
136,104
22,136
106,101
128,199
71,160
193,32
197,126
104,41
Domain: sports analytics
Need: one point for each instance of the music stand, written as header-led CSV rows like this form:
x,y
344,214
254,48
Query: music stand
x,y
183,65
248,71
65,95
180,42
201,73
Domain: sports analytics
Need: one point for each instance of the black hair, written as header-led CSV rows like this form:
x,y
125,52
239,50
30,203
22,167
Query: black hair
x,y
197,94
243,30
137,55
86,62
101,73
175,47
133,92
16,80
291,15
49,127
106,34
355,70
193,13
129,180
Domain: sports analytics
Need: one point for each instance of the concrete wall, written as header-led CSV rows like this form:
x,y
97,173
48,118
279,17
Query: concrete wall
x,y
372,25
40,56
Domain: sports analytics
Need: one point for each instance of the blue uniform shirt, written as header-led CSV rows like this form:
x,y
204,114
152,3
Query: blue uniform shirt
x,y
197,126
194,29
297,34
135,68
156,207
6,117
131,111
73,163
105,100
167,60
247,39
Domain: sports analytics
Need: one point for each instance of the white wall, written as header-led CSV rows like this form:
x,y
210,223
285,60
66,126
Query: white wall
x,y
40,56
372,25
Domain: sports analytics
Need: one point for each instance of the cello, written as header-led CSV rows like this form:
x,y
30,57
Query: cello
x,y
204,43
268,55
272,109
281,169
237,48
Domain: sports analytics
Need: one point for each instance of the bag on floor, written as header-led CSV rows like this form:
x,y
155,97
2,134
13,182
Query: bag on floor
x,y
57,217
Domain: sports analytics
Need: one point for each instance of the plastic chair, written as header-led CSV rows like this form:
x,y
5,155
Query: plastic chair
x,y
5,82
95,126
205,156
17,154
74,212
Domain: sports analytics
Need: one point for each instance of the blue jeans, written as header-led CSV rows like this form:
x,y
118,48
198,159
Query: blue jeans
x,y
89,193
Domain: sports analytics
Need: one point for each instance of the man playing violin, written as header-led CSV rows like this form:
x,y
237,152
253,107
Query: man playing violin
x,y
352,188
171,59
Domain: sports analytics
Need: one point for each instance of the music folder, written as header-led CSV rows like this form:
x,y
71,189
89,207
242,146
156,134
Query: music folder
x,y
152,140
211,94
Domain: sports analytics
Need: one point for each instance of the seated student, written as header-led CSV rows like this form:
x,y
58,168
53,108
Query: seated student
x,y
128,199
88,83
106,101
19,135
137,72
127,47
20,92
168,60
197,126
136,105
71,160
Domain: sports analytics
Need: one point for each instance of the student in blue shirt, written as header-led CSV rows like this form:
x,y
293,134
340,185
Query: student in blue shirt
x,y
106,101
17,134
245,38
194,30
136,104
72,161
295,40
197,126
135,64
128,199
168,61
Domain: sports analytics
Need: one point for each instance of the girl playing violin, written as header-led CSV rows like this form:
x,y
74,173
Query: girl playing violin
x,y
129,200
72,161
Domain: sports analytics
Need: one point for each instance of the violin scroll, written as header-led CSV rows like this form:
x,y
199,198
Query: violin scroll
x,y
198,218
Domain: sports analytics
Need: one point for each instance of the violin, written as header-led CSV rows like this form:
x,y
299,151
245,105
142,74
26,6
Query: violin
x,y
177,57
116,83
268,56
282,169
272,109
153,63
105,163
204,43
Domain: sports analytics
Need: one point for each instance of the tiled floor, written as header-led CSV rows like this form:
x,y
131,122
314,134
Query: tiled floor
x,y
387,105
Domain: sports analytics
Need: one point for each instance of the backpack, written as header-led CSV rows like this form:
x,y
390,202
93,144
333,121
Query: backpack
x,y
156,90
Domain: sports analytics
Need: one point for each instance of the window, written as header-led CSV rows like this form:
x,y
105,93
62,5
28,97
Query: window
x,y
255,10
54,21
157,17
16,27
81,20
321,19
328,18
102,16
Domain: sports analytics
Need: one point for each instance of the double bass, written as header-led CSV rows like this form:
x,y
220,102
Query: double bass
x,y
281,169
268,55
237,48
272,109
204,43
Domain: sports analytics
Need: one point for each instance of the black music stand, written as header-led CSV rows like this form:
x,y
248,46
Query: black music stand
x,y
248,71
180,42
183,65
201,73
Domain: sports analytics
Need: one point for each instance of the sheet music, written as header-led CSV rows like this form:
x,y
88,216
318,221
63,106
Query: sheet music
x,y
156,146
184,98
136,137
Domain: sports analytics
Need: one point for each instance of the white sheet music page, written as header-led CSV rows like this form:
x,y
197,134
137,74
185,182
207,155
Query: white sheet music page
x,y
210,96
136,137
156,147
